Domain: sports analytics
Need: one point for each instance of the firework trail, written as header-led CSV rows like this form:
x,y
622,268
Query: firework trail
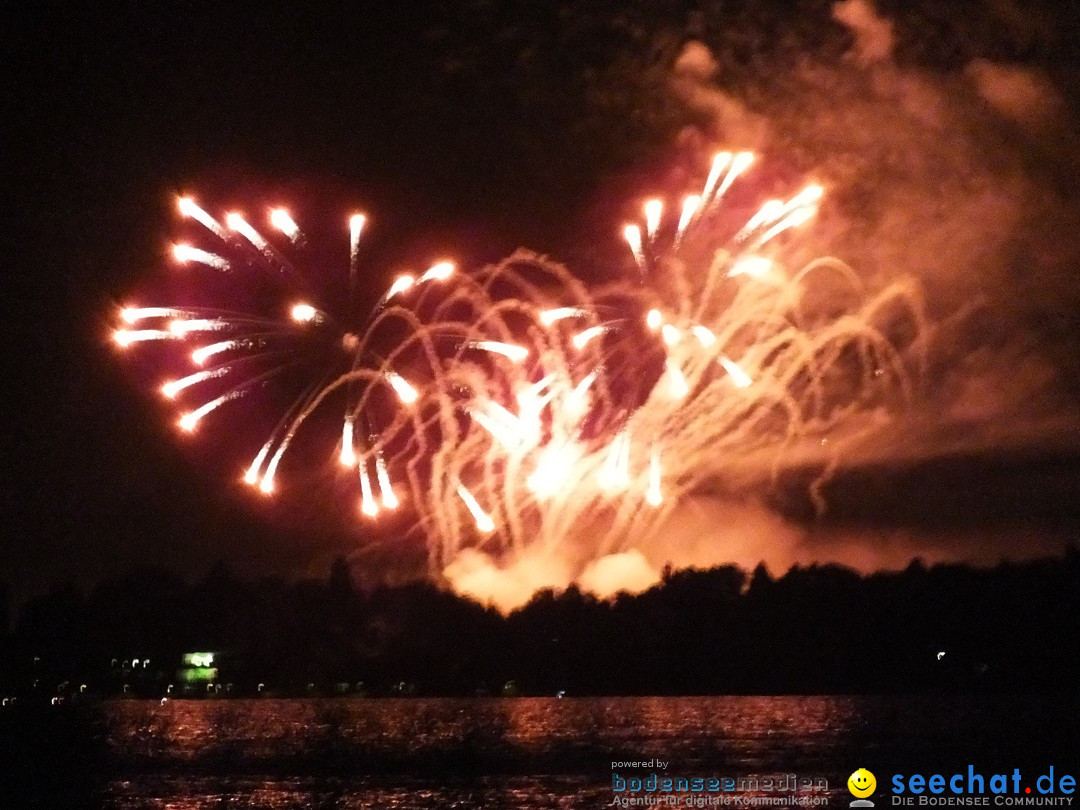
x,y
515,410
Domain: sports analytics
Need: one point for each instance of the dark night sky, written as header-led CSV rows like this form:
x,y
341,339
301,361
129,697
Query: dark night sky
x,y
477,127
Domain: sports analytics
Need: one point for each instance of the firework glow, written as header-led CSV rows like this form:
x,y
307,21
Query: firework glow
x,y
517,413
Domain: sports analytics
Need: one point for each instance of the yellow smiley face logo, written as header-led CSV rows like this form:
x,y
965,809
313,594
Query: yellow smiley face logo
x,y
861,783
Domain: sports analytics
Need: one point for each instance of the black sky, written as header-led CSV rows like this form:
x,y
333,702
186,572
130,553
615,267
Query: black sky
x,y
476,127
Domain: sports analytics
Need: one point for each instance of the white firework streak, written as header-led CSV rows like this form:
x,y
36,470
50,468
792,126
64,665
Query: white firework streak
x,y
505,410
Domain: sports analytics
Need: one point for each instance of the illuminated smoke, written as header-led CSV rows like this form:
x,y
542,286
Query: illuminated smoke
x,y
490,403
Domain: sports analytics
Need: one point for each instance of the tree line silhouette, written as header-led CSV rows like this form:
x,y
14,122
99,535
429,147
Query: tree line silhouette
x,y
816,629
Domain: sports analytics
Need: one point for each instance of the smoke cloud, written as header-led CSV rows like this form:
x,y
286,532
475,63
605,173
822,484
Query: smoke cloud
x,y
961,179
509,584
704,532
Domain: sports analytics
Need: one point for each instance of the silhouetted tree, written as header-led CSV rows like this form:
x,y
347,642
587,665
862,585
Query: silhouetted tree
x,y
818,628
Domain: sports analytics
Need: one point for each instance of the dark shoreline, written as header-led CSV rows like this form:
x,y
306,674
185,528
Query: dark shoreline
x,y
822,629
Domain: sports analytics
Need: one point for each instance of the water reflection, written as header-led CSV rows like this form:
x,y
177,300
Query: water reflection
x,y
482,734
524,792
532,753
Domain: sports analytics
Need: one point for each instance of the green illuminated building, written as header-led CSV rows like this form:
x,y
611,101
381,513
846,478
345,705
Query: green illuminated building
x,y
198,668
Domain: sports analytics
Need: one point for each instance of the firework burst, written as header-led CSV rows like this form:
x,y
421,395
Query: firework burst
x,y
514,409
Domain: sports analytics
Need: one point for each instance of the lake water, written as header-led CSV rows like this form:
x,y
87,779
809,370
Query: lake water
x,y
512,753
